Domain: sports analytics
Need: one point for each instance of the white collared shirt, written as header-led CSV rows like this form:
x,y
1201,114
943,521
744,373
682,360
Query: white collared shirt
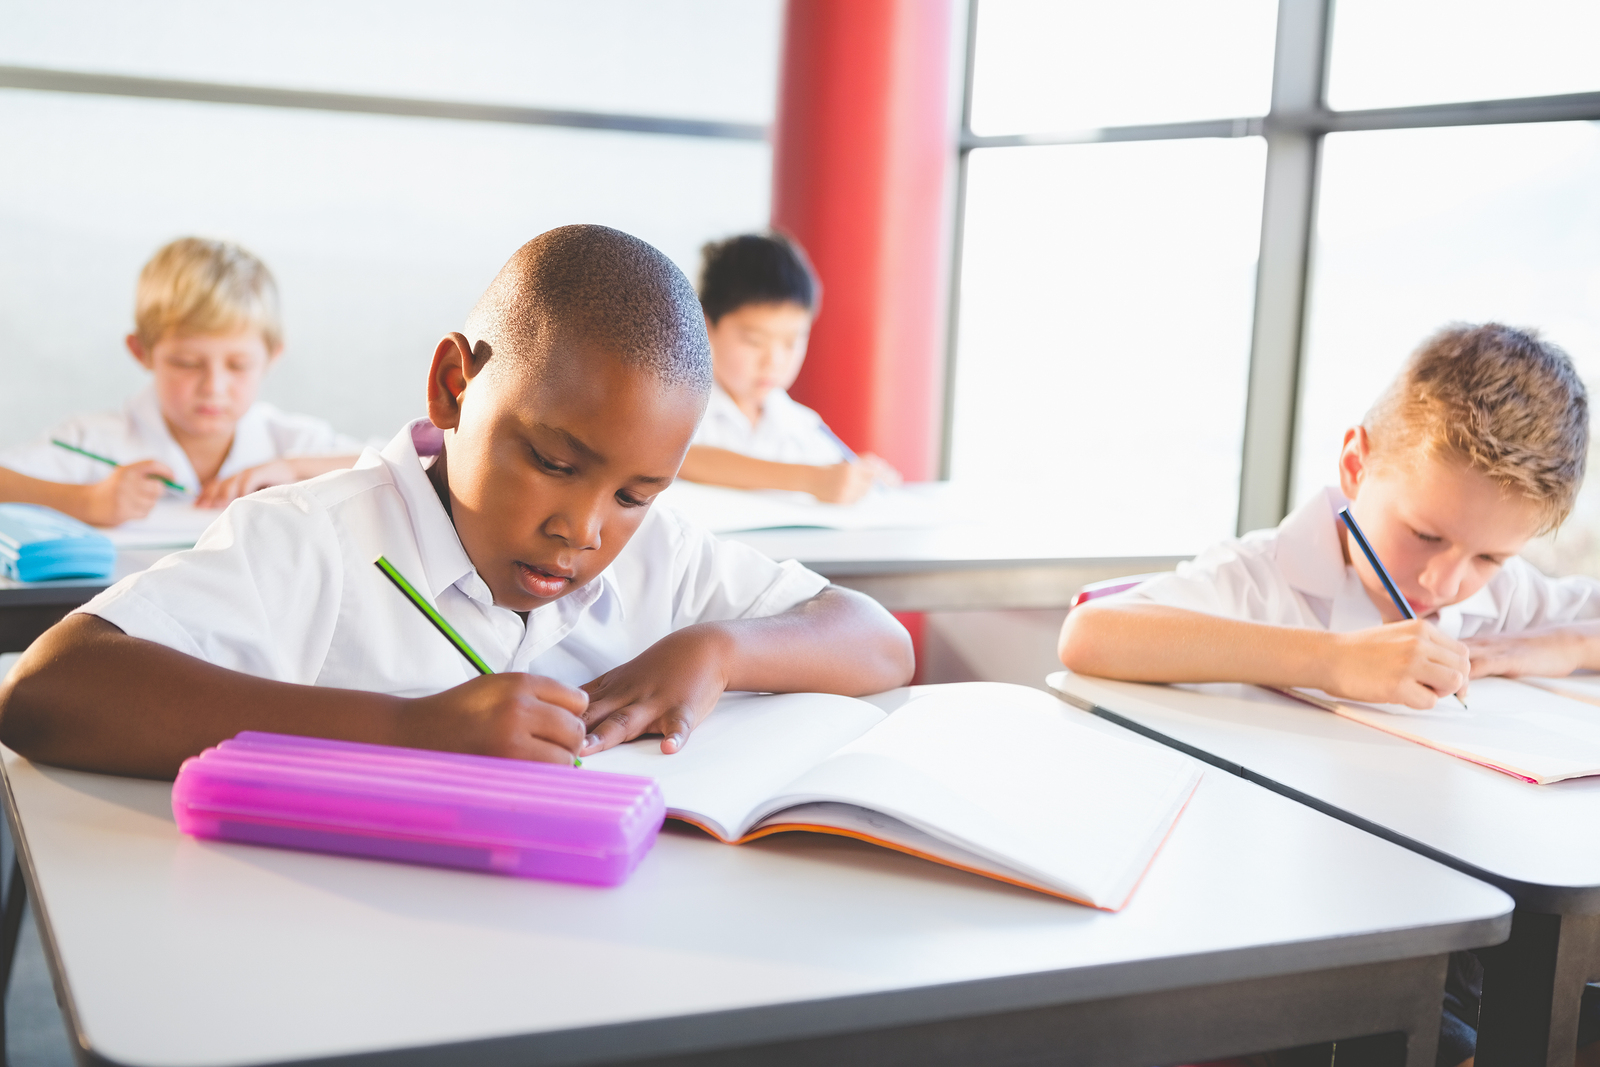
x,y
1296,575
138,432
283,586
787,432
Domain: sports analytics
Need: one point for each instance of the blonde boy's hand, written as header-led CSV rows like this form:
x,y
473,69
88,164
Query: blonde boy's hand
x,y
221,493
1408,663
668,689
1552,654
129,493
517,715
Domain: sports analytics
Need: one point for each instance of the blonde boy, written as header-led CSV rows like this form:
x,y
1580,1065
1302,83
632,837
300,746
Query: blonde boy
x,y
207,327
1477,447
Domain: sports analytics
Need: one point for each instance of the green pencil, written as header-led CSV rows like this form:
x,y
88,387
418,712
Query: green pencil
x,y
438,620
105,459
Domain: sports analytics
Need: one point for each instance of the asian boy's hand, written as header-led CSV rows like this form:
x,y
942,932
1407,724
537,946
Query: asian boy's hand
x,y
842,483
1410,663
128,493
521,716
668,689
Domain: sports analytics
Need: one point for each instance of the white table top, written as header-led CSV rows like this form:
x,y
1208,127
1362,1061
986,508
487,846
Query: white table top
x,y
1535,841
179,952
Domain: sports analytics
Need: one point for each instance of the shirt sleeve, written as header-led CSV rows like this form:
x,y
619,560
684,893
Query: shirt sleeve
x,y
259,593
717,580
1236,579
1527,599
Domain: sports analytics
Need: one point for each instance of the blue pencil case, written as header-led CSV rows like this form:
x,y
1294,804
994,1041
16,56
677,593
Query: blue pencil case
x,y
38,544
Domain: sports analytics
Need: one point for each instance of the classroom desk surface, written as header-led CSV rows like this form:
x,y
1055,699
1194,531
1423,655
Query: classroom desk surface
x,y
963,566
1536,842
1261,924
28,609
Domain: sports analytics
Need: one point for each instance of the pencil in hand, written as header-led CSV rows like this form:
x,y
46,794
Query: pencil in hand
x,y
168,482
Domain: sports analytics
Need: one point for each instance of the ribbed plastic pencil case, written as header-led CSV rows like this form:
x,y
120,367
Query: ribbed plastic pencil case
x,y
534,820
38,544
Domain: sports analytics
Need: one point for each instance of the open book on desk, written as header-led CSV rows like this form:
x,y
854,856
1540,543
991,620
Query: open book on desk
x,y
171,524
1000,780
1513,727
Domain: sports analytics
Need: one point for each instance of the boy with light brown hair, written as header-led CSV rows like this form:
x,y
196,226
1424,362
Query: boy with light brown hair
x,y
207,327
1477,447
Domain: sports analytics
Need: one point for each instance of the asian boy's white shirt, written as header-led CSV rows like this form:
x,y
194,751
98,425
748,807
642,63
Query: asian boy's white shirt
x,y
788,431
283,586
1296,575
138,432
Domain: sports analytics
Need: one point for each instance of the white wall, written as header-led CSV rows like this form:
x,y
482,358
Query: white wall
x,y
381,230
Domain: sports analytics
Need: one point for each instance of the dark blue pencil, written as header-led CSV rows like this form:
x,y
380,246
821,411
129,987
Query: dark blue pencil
x,y
1378,568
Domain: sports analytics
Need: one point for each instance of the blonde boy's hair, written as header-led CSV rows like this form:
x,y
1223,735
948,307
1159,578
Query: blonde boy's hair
x,y
1501,400
196,286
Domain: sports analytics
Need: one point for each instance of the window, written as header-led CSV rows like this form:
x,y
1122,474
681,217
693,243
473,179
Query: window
x,y
1068,249
1048,65
1398,53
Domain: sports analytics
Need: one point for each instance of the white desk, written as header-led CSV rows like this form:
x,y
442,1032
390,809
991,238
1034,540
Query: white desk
x,y
28,609
1261,924
1536,842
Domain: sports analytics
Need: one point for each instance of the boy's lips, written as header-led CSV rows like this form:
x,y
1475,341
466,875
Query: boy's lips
x,y
546,583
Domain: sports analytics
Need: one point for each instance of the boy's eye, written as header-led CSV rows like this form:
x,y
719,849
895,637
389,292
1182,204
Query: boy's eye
x,y
1429,538
550,465
628,500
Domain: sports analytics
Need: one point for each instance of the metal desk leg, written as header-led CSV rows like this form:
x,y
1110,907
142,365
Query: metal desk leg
x,y
1532,986
10,926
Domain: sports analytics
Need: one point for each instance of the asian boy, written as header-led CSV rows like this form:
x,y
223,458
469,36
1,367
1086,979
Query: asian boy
x,y
759,295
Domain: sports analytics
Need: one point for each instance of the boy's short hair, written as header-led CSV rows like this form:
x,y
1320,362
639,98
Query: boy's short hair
x,y
597,285
755,268
1501,400
197,286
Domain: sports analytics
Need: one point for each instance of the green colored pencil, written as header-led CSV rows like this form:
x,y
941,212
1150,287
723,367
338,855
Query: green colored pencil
x,y
106,459
438,620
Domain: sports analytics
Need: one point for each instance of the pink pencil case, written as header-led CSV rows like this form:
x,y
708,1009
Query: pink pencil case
x,y
534,820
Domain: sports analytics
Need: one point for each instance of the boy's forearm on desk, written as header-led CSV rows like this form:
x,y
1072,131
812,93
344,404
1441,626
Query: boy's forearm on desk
x,y
87,695
719,466
1155,643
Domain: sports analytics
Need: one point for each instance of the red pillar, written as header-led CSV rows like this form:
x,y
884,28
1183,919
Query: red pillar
x,y
863,153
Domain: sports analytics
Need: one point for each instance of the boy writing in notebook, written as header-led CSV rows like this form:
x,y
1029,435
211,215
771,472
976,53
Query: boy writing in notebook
x,y
207,328
1477,447
522,508
759,295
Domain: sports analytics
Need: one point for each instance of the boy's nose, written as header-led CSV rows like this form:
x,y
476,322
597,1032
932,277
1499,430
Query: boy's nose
x,y
578,525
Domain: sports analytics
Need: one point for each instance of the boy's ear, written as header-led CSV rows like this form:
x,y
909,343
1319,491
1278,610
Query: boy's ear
x,y
1353,460
137,348
454,365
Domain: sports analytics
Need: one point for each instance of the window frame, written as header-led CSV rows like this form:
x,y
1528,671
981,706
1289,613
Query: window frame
x,y
1296,122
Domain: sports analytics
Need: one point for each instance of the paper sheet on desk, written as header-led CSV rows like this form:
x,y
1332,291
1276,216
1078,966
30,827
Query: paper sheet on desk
x,y
170,524
1521,730
723,510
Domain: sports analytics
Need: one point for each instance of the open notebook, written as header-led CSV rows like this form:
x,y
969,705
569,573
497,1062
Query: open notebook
x,y
1520,729
1000,780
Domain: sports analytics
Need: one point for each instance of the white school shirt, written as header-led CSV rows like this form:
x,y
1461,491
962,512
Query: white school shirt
x,y
788,431
283,586
139,432
1295,575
